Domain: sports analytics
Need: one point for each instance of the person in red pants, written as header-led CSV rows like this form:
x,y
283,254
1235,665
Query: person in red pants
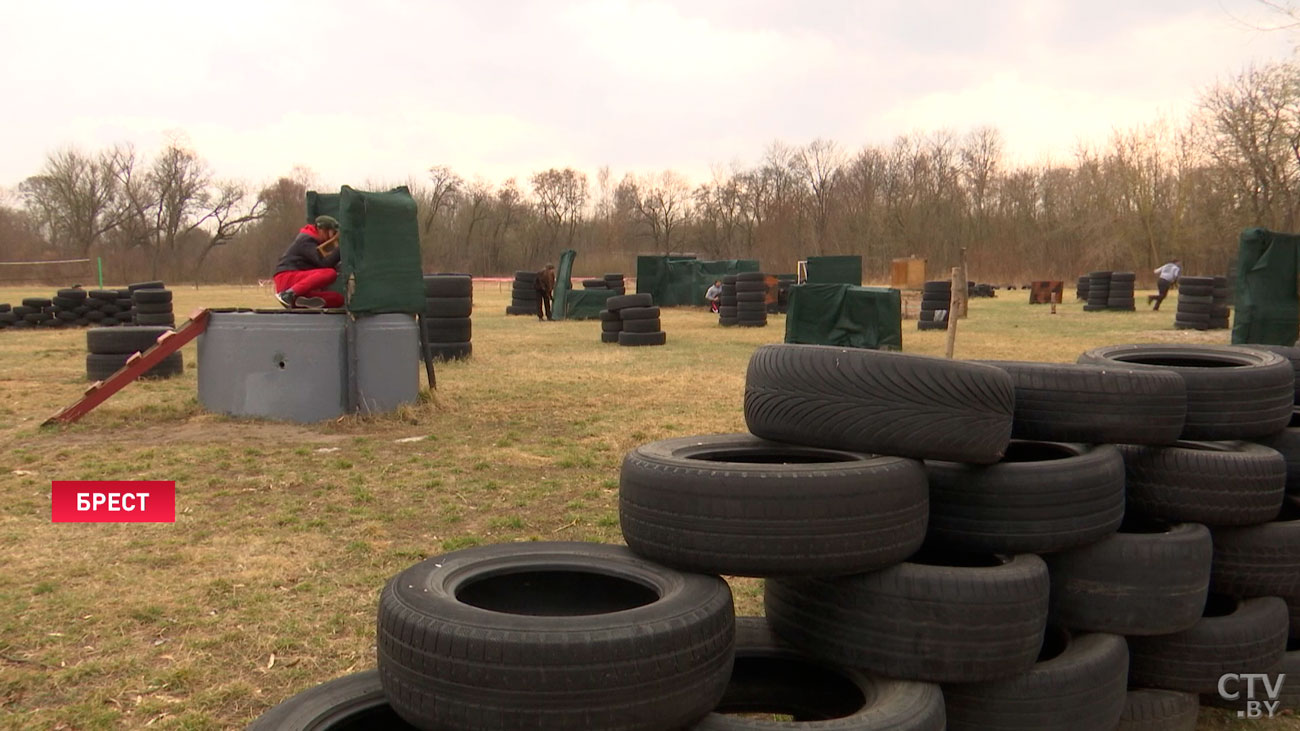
x,y
303,274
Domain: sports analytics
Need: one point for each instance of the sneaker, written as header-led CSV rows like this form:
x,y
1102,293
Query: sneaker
x,y
309,302
286,298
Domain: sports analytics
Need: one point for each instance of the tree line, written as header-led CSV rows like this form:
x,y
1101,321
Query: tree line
x,y
1175,188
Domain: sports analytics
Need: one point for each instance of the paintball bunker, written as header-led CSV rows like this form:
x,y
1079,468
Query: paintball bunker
x,y
308,366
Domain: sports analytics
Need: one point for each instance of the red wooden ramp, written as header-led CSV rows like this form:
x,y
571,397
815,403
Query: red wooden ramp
x,y
139,363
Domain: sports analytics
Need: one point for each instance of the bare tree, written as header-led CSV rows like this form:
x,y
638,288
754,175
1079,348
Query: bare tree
x,y
173,198
1253,130
561,195
446,184
229,216
662,203
819,164
75,200
477,197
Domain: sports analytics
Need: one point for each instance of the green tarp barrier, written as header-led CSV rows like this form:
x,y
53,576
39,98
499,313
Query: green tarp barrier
x,y
322,204
585,304
835,270
563,287
380,237
674,281
845,315
1267,301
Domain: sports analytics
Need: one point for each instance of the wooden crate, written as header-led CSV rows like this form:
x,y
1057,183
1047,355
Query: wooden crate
x,y
907,273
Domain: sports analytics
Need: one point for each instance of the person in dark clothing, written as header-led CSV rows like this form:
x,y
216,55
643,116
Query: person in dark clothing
x,y
303,273
545,292
1165,276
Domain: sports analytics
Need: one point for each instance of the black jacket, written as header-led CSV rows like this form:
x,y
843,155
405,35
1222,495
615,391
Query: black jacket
x,y
302,253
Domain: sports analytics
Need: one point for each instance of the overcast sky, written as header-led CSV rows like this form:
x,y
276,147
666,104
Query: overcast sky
x,y
378,91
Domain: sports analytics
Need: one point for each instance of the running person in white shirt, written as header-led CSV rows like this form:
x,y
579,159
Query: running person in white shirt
x,y
1167,275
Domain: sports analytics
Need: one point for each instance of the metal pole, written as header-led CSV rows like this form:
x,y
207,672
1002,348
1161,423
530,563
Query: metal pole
x,y
99,263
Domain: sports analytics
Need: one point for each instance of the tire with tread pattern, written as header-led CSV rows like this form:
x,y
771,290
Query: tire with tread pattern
x,y
957,618
618,302
1232,392
582,636
124,340
637,339
1259,560
772,678
1147,579
1083,403
350,703
1231,637
879,402
151,296
1042,497
448,285
1287,444
1080,689
639,313
1213,483
448,306
721,504
641,326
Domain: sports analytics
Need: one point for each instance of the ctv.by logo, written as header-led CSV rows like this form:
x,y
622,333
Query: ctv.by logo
x,y
1254,708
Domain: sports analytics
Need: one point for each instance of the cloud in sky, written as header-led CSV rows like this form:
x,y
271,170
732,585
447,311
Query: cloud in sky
x,y
382,90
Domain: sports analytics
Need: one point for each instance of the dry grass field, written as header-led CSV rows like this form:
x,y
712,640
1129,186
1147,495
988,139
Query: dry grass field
x,y
267,582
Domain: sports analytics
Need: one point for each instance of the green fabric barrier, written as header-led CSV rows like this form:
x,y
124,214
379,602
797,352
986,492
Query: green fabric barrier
x,y
380,238
835,270
322,204
845,315
1267,301
674,281
584,304
563,287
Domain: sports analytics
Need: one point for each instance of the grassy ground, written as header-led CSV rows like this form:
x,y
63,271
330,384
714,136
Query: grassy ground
x,y
267,582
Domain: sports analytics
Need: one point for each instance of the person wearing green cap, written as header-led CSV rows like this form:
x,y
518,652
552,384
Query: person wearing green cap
x,y
303,272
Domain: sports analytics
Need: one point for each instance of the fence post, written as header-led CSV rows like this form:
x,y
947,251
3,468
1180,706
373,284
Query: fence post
x,y
957,274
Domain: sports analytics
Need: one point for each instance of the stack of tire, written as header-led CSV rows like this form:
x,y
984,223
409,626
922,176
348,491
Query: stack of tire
x,y
108,307
902,592
727,302
448,304
981,290
612,282
1120,296
631,319
936,298
1220,309
70,307
108,350
1195,301
1081,288
523,295
751,299
1042,577
152,302
1098,292
35,312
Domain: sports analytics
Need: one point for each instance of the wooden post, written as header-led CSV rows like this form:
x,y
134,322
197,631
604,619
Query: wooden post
x,y
965,293
952,314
